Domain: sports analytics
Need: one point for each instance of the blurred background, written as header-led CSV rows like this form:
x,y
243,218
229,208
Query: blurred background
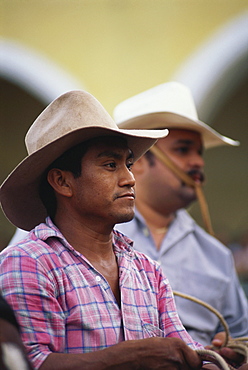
x,y
117,48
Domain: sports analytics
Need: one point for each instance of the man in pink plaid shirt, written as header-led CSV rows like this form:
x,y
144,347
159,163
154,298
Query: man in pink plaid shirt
x,y
83,297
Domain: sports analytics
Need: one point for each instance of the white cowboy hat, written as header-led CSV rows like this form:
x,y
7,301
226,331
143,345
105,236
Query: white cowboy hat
x,y
72,118
169,105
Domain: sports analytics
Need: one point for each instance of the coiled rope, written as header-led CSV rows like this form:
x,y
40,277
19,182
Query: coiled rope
x,y
239,345
214,358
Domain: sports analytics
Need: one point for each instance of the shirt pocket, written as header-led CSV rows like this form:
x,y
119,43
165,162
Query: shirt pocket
x,y
151,330
140,329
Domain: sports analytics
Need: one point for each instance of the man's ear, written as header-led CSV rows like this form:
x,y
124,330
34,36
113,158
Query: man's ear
x,y
60,181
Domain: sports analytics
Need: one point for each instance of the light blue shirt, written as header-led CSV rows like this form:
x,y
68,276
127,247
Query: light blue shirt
x,y
197,264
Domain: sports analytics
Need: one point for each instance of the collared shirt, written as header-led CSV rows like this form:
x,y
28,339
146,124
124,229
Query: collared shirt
x,y
65,305
196,264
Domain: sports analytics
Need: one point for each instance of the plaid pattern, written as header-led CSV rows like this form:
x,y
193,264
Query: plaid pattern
x,y
64,304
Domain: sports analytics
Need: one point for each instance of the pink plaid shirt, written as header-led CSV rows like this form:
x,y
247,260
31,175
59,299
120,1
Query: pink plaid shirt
x,y
65,305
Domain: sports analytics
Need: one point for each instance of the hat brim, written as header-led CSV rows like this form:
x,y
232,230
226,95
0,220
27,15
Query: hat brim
x,y
19,193
170,120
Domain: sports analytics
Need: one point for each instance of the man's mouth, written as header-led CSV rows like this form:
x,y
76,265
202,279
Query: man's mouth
x,y
127,195
197,176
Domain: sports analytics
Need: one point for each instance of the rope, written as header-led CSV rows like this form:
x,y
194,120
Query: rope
x,y
204,209
239,345
215,358
209,307
189,181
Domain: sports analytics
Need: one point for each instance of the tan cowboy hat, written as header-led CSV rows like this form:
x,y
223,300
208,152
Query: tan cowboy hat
x,y
73,117
168,105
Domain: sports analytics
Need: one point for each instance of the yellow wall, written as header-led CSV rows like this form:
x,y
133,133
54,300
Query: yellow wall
x,y
116,48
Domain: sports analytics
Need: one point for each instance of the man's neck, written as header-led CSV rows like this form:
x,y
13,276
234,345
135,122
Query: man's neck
x,y
154,218
94,243
158,223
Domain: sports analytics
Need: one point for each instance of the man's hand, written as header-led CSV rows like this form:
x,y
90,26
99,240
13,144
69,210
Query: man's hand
x,y
227,353
165,353
149,354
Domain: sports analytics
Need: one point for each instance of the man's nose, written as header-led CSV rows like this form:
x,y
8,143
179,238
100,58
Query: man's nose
x,y
127,178
196,160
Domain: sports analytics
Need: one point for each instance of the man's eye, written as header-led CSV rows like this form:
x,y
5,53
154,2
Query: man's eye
x,y
130,166
111,165
182,149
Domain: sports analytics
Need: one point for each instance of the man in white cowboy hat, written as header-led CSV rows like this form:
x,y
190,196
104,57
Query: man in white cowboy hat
x,y
168,179
83,297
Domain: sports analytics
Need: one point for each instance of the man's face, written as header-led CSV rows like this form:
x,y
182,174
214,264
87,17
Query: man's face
x,y
184,148
104,193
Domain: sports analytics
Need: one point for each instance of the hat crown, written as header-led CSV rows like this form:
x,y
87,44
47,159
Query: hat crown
x,y
169,105
171,97
71,111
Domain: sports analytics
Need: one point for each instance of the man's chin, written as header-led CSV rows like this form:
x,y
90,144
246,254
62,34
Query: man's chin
x,y
125,218
188,196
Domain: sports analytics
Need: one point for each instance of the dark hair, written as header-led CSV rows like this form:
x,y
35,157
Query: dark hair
x,y
68,161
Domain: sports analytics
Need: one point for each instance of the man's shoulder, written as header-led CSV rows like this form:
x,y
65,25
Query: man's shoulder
x,y
33,243
28,246
201,235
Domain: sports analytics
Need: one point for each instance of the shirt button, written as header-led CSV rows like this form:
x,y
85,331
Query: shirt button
x,y
98,278
146,232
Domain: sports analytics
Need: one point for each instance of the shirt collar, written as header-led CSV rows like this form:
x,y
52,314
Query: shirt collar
x,y
182,218
121,242
48,230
